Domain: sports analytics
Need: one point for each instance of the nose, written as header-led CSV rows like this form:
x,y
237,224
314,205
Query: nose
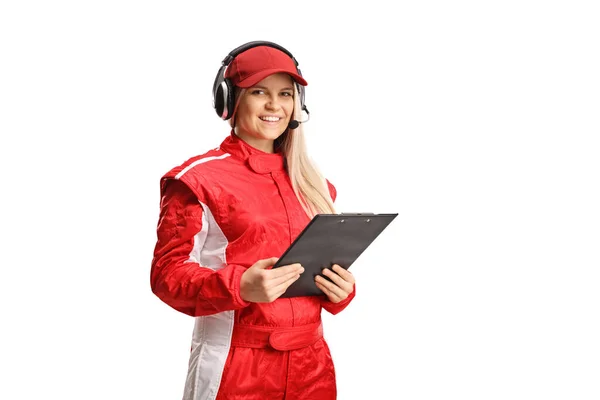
x,y
272,103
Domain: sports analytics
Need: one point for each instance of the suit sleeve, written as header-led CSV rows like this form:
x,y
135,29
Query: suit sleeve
x,y
176,276
332,191
331,307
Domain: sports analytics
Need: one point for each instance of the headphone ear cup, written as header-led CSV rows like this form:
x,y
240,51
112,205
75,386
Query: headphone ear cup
x,y
219,100
220,93
300,89
229,99
224,99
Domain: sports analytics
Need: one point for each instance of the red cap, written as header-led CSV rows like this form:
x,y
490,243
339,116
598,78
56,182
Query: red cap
x,y
255,64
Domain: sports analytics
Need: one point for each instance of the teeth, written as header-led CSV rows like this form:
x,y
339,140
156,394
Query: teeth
x,y
270,119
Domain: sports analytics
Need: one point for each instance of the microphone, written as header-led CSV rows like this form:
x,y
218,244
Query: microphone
x,y
293,124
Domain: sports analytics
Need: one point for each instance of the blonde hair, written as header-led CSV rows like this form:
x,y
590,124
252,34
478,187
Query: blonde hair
x,y
308,183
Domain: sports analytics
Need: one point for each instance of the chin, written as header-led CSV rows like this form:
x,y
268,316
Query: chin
x,y
273,134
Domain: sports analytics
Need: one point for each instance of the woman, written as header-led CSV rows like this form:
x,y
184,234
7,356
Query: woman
x,y
224,216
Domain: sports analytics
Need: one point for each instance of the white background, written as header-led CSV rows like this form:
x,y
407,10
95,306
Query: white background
x,y
477,121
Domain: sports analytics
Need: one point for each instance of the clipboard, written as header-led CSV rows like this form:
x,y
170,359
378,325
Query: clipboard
x,y
330,239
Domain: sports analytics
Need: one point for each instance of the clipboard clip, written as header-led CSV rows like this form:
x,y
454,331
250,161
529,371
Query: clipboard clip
x,y
366,213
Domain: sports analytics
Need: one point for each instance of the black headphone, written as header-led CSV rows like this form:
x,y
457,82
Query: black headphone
x,y
224,90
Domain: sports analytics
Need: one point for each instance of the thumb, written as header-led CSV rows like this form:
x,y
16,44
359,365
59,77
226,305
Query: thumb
x,y
265,263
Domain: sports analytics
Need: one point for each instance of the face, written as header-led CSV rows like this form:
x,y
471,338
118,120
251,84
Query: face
x,y
265,110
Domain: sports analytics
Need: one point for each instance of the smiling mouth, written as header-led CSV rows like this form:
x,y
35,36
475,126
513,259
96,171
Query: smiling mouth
x,y
270,119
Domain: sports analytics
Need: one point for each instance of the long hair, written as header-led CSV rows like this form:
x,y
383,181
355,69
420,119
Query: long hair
x,y
308,183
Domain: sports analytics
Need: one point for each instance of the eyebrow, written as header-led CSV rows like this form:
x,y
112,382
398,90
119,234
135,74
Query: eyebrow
x,y
266,88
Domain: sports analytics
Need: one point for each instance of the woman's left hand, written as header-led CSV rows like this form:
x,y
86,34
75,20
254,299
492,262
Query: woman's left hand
x,y
341,285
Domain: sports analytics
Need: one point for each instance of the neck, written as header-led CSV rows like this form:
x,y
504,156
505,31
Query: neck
x,y
265,145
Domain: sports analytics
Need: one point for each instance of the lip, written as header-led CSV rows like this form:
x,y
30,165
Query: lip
x,y
272,122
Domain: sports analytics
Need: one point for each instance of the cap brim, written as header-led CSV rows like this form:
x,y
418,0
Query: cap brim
x,y
259,76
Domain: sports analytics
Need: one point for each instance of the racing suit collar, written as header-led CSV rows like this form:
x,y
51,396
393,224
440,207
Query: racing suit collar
x,y
259,161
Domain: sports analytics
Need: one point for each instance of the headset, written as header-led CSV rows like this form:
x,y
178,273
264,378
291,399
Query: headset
x,y
224,90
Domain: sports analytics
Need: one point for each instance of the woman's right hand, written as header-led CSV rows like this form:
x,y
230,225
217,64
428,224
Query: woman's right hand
x,y
261,284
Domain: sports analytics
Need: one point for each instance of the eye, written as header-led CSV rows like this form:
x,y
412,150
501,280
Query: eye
x,y
257,91
287,94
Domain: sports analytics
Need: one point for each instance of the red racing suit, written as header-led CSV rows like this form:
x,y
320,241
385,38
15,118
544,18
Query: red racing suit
x,y
220,213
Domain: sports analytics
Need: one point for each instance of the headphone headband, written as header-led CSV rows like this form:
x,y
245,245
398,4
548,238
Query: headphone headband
x,y
247,46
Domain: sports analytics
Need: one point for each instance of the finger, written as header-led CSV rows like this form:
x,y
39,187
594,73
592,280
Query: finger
x,y
266,263
330,295
338,280
331,287
344,273
281,271
282,287
273,281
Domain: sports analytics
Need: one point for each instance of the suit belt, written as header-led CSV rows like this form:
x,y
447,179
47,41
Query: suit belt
x,y
283,339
